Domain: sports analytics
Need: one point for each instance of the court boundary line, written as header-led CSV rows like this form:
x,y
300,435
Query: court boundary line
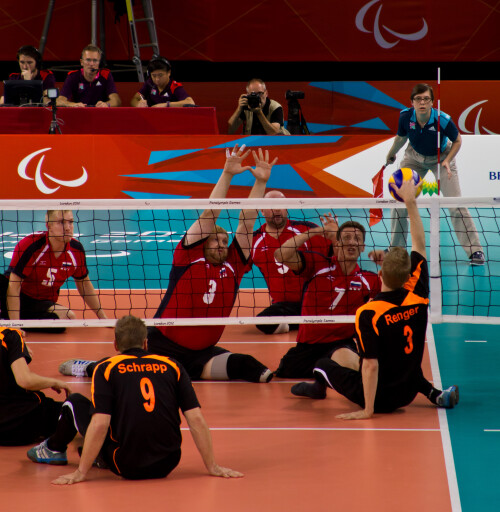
x,y
449,460
315,429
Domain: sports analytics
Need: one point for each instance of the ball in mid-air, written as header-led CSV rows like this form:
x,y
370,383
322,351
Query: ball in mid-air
x,y
404,174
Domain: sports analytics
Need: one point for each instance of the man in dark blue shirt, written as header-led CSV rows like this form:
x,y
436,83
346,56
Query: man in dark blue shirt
x,y
419,125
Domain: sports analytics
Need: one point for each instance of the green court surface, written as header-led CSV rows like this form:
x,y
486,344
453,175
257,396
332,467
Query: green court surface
x,y
469,356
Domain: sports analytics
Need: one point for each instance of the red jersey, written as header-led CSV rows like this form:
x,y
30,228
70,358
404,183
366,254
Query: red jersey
x,y
200,289
43,274
329,292
283,284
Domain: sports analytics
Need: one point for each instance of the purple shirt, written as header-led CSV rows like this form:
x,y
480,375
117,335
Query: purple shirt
x,y
79,90
48,78
174,91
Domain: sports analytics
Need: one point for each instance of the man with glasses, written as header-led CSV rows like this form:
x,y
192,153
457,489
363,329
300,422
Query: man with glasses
x,y
419,125
259,114
90,85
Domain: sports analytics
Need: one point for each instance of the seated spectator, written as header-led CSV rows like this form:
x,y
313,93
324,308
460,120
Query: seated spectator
x,y
30,65
159,90
91,85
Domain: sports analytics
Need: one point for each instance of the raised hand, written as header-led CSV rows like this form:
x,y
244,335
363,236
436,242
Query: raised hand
x,y
234,159
330,226
263,167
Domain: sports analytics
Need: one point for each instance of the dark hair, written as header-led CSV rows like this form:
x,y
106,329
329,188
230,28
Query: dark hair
x,y
420,88
157,63
30,51
130,332
351,224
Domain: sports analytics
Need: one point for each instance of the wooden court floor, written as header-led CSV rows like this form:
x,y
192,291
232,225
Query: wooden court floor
x,y
296,456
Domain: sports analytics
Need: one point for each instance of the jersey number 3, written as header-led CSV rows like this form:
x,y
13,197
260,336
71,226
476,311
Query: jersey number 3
x,y
209,297
409,339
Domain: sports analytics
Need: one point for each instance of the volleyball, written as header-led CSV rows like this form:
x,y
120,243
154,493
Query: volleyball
x,y
404,174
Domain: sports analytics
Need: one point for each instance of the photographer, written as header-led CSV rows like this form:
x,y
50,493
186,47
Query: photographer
x,y
259,114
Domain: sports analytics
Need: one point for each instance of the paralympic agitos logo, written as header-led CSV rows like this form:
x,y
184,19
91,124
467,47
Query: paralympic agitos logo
x,y
41,177
377,32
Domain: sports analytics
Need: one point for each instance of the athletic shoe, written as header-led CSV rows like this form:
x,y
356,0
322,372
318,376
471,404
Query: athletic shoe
x,y
448,398
281,329
477,258
74,367
43,455
315,390
266,375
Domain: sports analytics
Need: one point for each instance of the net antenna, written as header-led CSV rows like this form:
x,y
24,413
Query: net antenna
x,y
438,129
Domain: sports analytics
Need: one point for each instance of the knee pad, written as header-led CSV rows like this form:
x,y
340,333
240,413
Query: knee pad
x,y
219,367
245,367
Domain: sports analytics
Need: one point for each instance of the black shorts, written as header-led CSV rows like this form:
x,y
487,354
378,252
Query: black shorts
x,y
31,309
32,427
192,360
280,309
299,361
349,383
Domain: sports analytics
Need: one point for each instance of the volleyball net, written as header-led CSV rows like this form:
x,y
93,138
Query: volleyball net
x,y
129,246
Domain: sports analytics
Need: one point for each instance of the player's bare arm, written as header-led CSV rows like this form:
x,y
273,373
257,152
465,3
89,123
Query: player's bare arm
x,y
407,192
399,142
206,222
94,439
262,173
369,372
203,440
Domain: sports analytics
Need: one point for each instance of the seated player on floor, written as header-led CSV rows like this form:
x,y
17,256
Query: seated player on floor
x,y
132,424
387,373
334,285
204,282
285,286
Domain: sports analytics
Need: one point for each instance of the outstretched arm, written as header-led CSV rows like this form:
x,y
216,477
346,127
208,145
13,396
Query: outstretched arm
x,y
94,439
26,379
407,192
206,222
262,172
399,142
87,291
289,253
369,373
203,440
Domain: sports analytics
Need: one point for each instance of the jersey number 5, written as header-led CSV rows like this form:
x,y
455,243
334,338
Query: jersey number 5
x,y
148,392
51,277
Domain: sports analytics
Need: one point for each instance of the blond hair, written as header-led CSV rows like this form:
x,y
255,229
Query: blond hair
x,y
396,268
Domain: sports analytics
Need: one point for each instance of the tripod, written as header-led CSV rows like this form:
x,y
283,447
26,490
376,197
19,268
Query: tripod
x,y
296,124
54,125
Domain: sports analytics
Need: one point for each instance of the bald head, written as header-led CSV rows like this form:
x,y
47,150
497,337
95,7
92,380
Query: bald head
x,y
276,218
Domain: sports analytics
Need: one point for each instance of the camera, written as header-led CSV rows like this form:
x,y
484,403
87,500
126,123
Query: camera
x,y
294,95
253,100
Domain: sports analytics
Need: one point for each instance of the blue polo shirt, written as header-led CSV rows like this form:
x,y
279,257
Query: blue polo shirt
x,y
424,140
174,91
79,90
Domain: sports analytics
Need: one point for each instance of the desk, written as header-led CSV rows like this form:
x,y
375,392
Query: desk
x,y
120,120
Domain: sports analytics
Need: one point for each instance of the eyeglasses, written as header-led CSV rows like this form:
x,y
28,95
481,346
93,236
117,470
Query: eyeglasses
x,y
422,99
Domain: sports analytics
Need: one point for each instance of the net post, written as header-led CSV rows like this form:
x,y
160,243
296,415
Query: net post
x,y
436,301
